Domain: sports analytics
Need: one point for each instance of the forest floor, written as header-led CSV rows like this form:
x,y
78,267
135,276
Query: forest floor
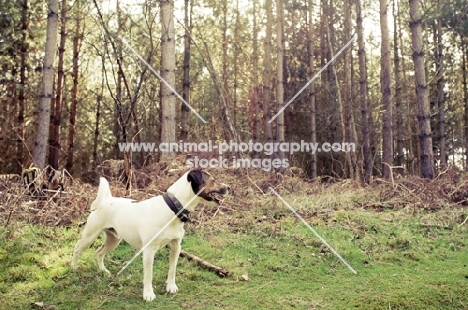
x,y
407,238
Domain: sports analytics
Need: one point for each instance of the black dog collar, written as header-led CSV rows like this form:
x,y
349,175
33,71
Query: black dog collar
x,y
176,207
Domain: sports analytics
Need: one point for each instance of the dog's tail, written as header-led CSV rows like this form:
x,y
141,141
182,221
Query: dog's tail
x,y
103,193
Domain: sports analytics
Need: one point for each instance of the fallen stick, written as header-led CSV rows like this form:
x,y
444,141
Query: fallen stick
x,y
218,270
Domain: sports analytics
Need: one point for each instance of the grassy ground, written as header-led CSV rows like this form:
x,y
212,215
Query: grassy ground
x,y
405,259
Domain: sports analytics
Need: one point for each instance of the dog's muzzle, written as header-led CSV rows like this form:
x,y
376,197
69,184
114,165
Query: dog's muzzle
x,y
217,195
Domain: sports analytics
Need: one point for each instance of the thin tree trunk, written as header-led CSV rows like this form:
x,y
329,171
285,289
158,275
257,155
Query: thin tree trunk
x,y
120,124
348,115
440,91
225,101
465,96
366,150
256,130
11,103
133,108
23,81
99,99
267,72
324,89
425,136
236,54
288,73
409,114
230,132
398,88
136,125
224,47
96,128
42,136
334,86
54,145
74,91
186,66
123,113
313,126
386,92
279,75
168,121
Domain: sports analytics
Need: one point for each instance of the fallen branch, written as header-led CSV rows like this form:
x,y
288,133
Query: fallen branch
x,y
218,270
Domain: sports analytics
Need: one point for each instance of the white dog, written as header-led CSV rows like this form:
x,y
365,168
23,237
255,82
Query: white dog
x,y
138,222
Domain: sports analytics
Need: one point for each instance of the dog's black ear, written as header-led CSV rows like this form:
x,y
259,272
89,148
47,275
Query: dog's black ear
x,y
195,177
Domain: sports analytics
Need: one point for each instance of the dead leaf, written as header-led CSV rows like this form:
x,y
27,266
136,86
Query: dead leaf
x,y
38,304
245,277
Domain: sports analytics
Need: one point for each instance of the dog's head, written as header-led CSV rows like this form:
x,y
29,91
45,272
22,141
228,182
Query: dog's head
x,y
213,191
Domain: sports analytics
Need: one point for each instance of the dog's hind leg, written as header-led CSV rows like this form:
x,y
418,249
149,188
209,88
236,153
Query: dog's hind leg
x,y
87,238
148,258
112,240
171,286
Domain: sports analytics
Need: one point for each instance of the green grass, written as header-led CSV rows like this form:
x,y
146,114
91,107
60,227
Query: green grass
x,y
404,261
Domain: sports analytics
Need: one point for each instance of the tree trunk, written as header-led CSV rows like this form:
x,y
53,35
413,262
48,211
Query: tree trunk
x,y
348,111
230,132
386,93
256,127
465,96
440,91
54,145
96,128
409,114
366,150
425,136
23,81
186,66
168,121
121,111
313,126
226,99
398,88
74,91
118,125
279,75
42,136
267,72
236,53
334,90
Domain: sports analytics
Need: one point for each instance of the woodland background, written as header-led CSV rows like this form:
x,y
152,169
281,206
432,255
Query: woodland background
x,y
399,92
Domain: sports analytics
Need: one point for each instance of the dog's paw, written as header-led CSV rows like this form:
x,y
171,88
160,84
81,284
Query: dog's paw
x,y
171,288
149,295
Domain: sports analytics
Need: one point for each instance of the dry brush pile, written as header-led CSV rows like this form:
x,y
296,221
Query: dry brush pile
x,y
250,202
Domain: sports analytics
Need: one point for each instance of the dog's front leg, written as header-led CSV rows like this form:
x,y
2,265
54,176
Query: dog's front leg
x,y
148,257
171,286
